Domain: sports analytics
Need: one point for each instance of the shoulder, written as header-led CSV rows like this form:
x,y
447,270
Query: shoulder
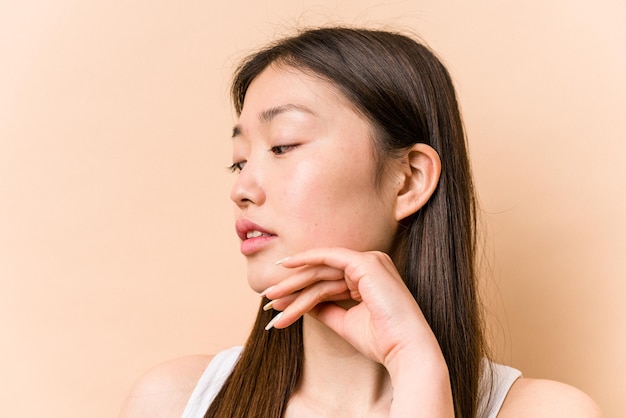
x,y
547,398
164,390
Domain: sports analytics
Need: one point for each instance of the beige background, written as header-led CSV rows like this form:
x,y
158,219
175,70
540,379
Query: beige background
x,y
117,248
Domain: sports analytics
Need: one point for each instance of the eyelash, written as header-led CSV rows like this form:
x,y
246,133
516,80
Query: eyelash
x,y
282,149
276,150
236,167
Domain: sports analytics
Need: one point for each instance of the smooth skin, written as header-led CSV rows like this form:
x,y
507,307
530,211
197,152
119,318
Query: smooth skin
x,y
306,173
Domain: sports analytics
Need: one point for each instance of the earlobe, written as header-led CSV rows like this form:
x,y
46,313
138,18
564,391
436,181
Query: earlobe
x,y
421,170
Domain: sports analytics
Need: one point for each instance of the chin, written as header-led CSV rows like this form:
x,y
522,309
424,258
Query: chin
x,y
255,286
261,280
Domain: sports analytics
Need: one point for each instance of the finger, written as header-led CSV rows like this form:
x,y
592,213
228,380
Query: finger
x,y
301,279
343,259
280,304
347,323
308,298
331,315
372,265
334,257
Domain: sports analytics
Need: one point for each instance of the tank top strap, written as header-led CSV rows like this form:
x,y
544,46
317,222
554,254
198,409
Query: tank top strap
x,y
496,382
211,382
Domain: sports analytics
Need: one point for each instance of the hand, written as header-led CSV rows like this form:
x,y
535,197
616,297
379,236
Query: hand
x,y
384,321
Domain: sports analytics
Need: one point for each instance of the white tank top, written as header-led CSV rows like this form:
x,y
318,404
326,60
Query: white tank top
x,y
222,364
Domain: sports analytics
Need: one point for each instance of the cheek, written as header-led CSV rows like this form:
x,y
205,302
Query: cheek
x,y
305,201
335,207
301,189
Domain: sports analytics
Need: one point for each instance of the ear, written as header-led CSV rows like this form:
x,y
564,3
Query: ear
x,y
421,170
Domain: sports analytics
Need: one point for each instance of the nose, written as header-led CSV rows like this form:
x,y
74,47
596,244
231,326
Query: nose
x,y
248,189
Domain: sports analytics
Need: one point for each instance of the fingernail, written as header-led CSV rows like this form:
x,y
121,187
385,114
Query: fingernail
x,y
270,324
279,262
266,291
269,305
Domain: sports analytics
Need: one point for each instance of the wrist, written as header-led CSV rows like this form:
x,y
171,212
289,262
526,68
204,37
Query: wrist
x,y
421,386
422,356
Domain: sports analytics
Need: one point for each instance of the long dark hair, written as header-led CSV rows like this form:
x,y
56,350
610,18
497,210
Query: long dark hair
x,y
406,93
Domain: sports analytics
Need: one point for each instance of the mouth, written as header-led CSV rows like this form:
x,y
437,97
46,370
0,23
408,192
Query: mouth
x,y
257,234
253,237
246,229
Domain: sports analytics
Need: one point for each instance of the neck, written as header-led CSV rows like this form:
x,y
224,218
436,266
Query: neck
x,y
337,379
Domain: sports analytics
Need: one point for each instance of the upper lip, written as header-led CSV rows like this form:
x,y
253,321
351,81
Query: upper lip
x,y
244,225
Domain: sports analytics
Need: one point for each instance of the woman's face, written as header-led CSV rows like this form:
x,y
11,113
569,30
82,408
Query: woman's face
x,y
307,174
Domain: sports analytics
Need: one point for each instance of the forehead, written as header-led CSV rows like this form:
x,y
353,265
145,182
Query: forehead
x,y
281,85
282,89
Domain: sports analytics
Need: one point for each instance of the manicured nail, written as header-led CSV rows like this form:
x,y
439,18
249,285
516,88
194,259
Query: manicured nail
x,y
269,305
279,262
266,291
274,320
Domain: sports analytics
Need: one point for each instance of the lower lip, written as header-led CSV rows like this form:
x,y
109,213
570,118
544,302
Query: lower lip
x,y
253,245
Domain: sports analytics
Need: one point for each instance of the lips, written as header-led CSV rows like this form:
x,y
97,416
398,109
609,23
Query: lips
x,y
247,229
253,237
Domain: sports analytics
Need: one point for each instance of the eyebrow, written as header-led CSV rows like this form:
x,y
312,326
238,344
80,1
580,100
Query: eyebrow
x,y
267,115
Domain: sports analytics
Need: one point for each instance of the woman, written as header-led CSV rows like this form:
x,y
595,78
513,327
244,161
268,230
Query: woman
x,y
355,209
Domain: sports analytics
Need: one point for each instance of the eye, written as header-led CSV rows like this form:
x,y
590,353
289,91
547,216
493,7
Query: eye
x,y
236,167
282,149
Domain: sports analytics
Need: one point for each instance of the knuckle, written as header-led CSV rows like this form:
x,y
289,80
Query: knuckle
x,y
322,295
379,256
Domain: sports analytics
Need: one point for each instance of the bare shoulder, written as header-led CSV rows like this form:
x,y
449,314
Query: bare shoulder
x,y
164,390
547,398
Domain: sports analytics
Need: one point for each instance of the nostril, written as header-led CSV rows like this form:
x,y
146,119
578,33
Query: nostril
x,y
247,189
